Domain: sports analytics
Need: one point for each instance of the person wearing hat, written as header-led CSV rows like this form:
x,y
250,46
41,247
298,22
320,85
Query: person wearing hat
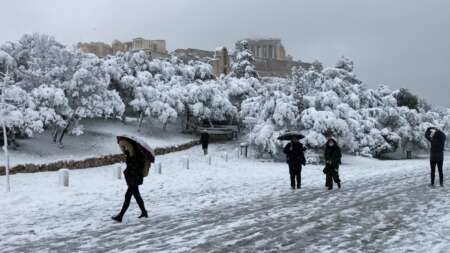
x,y
295,158
332,161
437,141
133,177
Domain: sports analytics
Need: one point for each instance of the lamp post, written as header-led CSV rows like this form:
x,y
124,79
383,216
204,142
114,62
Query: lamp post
x,y
5,137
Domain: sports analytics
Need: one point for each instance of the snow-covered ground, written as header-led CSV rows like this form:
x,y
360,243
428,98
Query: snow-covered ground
x,y
235,206
99,138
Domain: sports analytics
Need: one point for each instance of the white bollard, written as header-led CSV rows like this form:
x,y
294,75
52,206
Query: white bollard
x,y
209,160
64,177
159,167
186,162
118,172
237,153
226,156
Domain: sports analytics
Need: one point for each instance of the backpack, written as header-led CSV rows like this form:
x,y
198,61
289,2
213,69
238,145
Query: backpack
x,y
146,167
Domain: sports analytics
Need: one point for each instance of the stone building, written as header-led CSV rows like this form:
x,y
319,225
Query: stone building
x,y
219,58
155,48
271,58
98,48
190,54
268,49
118,46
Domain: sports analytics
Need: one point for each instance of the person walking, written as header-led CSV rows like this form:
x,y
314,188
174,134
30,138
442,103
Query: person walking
x,y
133,177
295,158
204,140
437,139
333,157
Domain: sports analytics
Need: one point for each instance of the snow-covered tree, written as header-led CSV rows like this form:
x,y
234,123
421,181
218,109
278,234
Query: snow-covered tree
x,y
18,112
300,86
207,102
244,65
88,93
66,83
406,98
334,102
7,62
155,103
268,115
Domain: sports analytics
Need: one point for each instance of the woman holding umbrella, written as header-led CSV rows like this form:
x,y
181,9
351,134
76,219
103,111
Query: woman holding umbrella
x,y
138,160
332,161
295,157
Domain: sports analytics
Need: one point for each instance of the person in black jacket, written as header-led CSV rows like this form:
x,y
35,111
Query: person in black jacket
x,y
295,158
332,161
437,140
204,140
133,177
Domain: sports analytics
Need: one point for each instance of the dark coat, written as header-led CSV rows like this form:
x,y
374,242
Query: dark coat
x,y
332,157
437,144
134,171
333,154
295,153
204,140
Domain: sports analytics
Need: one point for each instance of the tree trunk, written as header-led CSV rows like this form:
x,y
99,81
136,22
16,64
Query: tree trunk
x,y
55,135
141,119
64,131
187,118
210,123
12,139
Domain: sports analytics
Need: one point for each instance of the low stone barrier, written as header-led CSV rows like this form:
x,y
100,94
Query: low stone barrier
x,y
89,162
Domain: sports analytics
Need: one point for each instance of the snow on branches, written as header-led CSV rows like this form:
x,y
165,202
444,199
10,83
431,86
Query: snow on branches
x,y
53,86
244,66
334,102
62,82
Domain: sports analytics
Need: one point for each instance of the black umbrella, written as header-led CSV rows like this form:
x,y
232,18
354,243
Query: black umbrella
x,y
289,135
139,146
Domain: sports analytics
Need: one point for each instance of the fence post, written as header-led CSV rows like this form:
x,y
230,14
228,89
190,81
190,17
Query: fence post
x,y
118,172
64,177
226,156
159,167
186,162
244,149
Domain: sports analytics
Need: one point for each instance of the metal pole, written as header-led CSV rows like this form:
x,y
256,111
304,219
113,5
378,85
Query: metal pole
x,y
5,137
5,143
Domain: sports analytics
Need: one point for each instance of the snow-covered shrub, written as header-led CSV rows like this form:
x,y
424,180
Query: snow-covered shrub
x,y
332,101
207,101
19,111
64,82
244,65
268,115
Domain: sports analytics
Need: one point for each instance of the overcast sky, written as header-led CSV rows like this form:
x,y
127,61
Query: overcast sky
x,y
393,42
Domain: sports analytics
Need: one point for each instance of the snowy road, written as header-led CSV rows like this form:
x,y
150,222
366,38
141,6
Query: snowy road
x,y
239,206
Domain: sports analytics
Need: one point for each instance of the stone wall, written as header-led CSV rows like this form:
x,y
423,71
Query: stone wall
x,y
100,49
271,67
89,162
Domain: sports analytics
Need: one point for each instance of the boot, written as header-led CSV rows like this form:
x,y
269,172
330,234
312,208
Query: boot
x,y
339,185
117,218
143,215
